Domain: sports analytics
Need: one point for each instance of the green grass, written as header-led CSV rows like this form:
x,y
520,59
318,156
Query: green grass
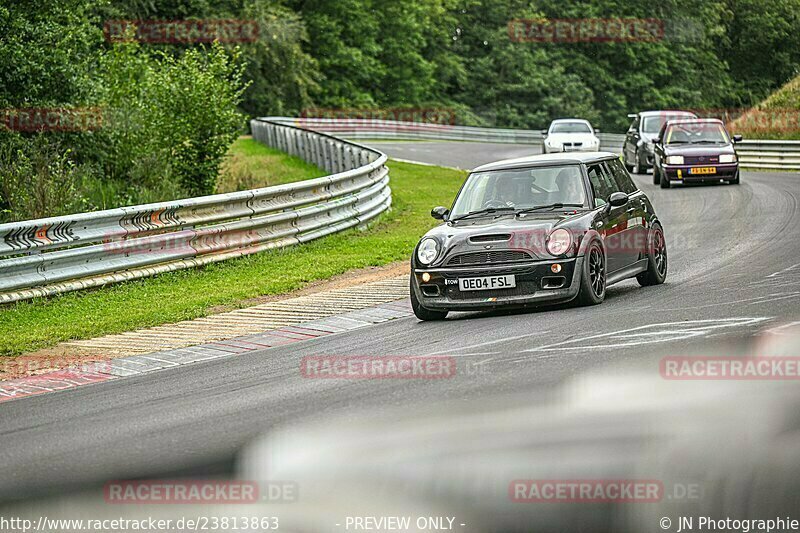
x,y
777,117
188,294
250,165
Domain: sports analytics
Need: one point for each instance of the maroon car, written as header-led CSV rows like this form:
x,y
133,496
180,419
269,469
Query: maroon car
x,y
695,150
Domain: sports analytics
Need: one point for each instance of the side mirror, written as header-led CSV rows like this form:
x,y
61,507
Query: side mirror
x,y
597,130
440,213
657,140
544,133
617,199
737,138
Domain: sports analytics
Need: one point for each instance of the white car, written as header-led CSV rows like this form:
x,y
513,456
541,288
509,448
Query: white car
x,y
570,135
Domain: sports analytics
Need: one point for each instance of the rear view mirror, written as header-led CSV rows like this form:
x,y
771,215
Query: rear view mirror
x,y
737,138
440,213
618,199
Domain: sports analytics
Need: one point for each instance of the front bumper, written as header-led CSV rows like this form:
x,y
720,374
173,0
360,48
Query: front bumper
x,y
724,171
441,292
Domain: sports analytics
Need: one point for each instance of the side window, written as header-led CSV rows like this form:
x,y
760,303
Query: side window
x,y
621,176
634,124
603,184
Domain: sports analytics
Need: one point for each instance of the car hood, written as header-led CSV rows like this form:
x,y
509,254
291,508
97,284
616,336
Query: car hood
x,y
699,150
526,233
560,138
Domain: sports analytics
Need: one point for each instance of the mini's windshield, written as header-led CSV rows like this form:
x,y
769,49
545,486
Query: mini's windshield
x,y
696,133
653,124
570,127
521,189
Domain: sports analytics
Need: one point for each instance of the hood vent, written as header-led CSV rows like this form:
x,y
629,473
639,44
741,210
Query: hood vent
x,y
497,237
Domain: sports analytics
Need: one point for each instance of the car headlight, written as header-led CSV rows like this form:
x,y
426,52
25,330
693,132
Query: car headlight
x,y
427,251
674,159
727,158
559,241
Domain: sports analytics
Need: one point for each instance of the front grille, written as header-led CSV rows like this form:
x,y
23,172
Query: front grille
x,y
701,160
488,258
490,238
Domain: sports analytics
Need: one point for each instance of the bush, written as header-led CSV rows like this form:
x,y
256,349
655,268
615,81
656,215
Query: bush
x,y
38,180
171,119
191,106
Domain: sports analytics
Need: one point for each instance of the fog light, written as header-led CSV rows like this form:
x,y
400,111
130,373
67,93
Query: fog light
x,y
426,277
555,269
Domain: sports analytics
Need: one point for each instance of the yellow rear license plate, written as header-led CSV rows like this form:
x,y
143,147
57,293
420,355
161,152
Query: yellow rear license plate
x,y
703,170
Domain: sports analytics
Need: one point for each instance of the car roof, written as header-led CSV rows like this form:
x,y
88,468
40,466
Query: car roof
x,y
547,160
581,120
695,121
665,112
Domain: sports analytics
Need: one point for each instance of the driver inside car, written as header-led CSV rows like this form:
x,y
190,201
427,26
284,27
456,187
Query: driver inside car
x,y
506,193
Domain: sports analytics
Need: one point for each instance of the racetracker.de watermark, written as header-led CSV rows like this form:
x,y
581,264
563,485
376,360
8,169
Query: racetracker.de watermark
x,y
182,31
585,490
354,117
786,120
602,491
65,119
586,30
730,368
377,367
196,491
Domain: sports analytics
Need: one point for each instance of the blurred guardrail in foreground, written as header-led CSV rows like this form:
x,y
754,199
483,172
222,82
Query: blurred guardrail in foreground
x,y
765,154
59,254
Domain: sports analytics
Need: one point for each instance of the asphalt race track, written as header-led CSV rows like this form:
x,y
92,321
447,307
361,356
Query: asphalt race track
x,y
734,271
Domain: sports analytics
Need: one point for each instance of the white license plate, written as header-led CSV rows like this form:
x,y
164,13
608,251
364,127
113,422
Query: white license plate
x,y
487,283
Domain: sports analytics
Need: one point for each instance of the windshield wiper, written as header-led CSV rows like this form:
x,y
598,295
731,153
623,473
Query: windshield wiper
x,y
487,211
678,142
549,206
706,141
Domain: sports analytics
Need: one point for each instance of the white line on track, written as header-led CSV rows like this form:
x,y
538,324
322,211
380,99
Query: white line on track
x,y
687,329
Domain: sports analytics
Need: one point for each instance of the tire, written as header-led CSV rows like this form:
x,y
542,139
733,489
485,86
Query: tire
x,y
593,276
637,164
657,263
656,176
664,181
421,312
735,181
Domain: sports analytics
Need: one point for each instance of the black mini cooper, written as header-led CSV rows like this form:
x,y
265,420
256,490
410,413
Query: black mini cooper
x,y
545,228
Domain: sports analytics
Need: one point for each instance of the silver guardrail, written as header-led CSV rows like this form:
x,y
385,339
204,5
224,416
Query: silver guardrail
x,y
765,154
59,254
399,130
768,154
